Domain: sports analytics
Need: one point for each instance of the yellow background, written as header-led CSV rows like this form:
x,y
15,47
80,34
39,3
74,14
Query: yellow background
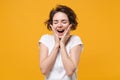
x,y
22,24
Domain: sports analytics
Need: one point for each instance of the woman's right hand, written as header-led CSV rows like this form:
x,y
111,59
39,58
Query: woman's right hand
x,y
57,40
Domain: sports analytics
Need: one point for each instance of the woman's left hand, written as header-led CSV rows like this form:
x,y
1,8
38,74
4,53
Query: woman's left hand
x,y
66,36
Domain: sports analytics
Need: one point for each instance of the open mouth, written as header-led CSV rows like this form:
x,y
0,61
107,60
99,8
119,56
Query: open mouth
x,y
60,31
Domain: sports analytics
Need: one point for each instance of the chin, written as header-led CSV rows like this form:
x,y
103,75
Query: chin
x,y
60,37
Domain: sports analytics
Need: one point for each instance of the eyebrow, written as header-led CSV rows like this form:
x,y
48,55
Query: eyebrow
x,y
62,20
55,20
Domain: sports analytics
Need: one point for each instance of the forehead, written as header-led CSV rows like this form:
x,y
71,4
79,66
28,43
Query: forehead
x,y
60,16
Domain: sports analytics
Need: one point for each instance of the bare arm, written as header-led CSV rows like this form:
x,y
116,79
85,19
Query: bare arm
x,y
71,62
47,62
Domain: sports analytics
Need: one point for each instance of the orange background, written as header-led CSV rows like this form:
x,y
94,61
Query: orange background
x,y
21,25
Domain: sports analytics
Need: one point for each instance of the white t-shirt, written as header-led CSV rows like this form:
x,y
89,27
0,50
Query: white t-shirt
x,y
58,72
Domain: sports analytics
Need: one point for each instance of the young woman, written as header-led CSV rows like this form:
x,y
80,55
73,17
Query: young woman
x,y
60,52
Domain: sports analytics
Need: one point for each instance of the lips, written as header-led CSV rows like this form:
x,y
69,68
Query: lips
x,y
60,31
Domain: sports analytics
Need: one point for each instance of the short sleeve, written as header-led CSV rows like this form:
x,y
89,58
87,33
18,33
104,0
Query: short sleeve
x,y
44,40
76,40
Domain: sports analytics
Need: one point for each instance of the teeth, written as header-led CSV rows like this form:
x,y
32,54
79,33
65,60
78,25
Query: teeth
x,y
60,31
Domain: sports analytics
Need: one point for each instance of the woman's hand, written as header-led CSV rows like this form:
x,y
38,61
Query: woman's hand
x,y
66,36
57,41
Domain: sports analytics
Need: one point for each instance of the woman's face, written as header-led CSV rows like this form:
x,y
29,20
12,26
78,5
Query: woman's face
x,y
60,23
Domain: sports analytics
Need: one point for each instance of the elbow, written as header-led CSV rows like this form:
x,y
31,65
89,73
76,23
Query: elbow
x,y
70,73
43,70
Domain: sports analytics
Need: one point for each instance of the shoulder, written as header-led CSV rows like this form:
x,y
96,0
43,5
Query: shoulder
x,y
45,38
75,37
75,40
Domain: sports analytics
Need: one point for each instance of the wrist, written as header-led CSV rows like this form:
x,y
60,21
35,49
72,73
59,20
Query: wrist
x,y
57,46
62,44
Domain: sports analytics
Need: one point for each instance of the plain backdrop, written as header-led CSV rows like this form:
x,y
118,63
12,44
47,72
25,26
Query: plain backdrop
x,y
22,25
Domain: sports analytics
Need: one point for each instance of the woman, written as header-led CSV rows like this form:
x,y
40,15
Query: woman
x,y
60,52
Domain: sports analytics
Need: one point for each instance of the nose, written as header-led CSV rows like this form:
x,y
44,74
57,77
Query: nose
x,y
59,24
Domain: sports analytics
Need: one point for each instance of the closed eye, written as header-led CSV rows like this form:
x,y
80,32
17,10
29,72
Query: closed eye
x,y
55,21
64,21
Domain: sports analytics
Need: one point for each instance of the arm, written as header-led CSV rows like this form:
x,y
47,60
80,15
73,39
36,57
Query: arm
x,y
47,62
71,62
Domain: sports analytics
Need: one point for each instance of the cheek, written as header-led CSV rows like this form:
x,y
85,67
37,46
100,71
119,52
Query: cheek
x,y
54,26
65,25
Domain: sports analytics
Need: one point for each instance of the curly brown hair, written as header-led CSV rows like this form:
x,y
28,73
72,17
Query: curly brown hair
x,y
68,11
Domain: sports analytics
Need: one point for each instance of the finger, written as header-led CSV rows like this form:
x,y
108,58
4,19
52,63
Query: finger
x,y
68,29
53,29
